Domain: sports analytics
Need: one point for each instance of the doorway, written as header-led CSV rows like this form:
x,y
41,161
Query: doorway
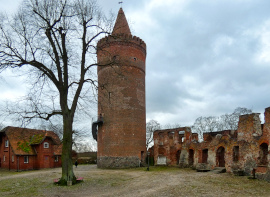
x,y
46,161
191,157
204,155
178,153
220,156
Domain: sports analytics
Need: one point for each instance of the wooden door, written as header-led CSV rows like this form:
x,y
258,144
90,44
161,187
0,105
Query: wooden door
x,y
46,161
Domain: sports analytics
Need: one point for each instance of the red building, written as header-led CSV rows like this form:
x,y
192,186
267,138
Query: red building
x,y
28,149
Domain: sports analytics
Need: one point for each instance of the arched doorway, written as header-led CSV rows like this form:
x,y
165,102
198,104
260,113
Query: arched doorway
x,y
220,156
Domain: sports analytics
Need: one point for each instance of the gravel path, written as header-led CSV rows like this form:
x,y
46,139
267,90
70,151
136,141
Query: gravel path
x,y
138,182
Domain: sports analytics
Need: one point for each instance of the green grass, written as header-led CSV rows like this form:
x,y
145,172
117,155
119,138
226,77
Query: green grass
x,y
118,182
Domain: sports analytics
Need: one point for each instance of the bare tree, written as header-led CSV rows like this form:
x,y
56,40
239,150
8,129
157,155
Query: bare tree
x,y
151,126
230,121
1,126
171,126
205,125
224,122
84,147
54,42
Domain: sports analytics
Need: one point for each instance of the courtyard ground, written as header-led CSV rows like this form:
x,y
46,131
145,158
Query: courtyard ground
x,y
159,181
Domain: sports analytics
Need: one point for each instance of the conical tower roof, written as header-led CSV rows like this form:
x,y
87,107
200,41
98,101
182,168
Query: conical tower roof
x,y
121,24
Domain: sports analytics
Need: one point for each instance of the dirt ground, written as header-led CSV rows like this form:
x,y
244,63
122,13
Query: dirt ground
x,y
159,181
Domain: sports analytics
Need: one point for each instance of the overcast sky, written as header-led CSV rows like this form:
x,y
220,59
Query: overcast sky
x,y
204,58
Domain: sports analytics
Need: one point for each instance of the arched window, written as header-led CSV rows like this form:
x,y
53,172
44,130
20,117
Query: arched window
x,y
263,154
46,145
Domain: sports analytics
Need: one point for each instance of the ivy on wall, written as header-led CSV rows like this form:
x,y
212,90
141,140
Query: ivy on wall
x,y
26,145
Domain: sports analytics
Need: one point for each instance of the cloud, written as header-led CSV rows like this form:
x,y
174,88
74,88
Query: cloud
x,y
203,57
210,56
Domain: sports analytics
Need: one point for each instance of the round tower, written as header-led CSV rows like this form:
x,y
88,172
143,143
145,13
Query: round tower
x,y
121,98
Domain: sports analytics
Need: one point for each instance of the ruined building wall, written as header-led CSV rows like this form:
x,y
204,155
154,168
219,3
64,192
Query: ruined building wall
x,y
168,145
242,150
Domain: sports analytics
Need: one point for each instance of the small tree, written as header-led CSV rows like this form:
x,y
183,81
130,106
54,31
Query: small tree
x,y
54,42
151,126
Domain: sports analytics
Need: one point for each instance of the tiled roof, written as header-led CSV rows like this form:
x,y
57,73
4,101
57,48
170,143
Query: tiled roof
x,y
22,139
58,149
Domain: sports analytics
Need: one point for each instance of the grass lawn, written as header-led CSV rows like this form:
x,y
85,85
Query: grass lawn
x,y
159,181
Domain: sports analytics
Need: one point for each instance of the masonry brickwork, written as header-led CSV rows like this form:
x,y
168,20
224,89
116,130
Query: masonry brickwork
x,y
28,149
121,98
240,151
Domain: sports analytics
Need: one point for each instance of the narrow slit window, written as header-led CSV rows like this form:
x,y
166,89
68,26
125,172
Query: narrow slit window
x,y
236,153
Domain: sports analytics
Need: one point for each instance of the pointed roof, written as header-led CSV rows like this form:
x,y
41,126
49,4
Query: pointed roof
x,y
121,24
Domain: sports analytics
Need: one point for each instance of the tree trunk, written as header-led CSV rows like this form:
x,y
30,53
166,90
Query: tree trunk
x,y
67,165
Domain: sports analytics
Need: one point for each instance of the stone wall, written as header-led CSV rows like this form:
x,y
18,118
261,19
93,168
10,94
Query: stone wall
x,y
118,162
242,150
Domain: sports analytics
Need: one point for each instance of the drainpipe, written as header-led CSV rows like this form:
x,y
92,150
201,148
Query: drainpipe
x,y
9,157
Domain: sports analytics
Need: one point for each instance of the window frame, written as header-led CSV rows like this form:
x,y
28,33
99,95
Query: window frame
x,y
6,143
56,159
46,145
26,159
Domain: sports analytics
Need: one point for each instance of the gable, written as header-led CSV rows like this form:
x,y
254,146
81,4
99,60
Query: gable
x,y
22,140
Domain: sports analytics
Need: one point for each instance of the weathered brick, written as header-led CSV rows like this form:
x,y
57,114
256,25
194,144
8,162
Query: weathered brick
x,y
238,151
121,98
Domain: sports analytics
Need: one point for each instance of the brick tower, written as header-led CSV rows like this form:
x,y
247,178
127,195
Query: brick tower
x,y
121,98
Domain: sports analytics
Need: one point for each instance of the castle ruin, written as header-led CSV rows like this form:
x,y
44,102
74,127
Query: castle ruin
x,y
244,151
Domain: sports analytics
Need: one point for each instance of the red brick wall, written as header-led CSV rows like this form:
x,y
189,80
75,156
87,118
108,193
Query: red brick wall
x,y
34,161
45,156
169,143
249,137
121,97
5,152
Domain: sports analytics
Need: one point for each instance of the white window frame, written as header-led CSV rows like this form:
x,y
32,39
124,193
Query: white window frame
x,y
6,143
12,158
56,158
46,145
26,159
